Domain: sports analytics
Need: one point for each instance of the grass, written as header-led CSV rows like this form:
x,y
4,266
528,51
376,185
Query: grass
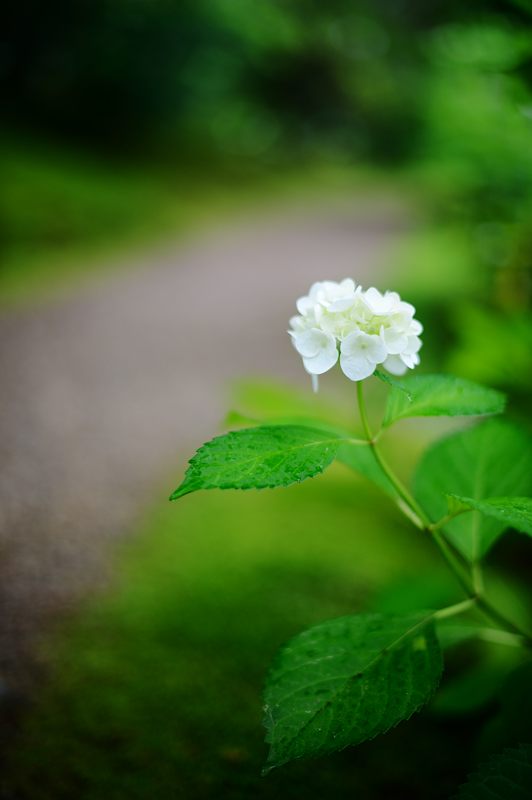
x,y
155,686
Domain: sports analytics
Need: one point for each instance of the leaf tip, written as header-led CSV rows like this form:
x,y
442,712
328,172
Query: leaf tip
x,y
181,490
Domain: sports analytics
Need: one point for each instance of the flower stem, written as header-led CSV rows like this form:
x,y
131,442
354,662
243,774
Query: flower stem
x,y
399,487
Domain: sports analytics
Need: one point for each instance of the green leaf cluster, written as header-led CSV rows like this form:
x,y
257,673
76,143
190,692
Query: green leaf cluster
x,y
347,680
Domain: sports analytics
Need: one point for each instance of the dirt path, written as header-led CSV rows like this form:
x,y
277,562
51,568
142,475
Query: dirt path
x,y
102,390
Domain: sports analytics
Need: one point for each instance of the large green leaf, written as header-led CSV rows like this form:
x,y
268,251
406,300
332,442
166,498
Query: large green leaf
x,y
440,395
490,460
353,453
515,512
348,680
257,458
507,776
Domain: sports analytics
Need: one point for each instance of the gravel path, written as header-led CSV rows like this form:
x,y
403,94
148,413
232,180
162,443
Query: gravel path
x,y
106,389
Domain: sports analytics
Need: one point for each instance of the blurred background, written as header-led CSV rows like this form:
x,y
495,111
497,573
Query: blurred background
x,y
174,175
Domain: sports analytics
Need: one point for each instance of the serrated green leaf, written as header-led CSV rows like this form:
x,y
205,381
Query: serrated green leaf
x,y
354,454
515,512
490,460
507,776
258,458
440,395
348,680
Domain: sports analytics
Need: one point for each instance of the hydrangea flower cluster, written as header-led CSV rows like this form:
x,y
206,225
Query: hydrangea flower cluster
x,y
364,329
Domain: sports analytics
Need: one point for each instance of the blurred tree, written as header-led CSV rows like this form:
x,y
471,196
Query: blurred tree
x,y
232,77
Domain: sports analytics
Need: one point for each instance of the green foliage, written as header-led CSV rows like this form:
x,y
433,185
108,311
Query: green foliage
x,y
493,347
506,777
515,512
491,459
259,458
360,459
480,46
440,395
347,680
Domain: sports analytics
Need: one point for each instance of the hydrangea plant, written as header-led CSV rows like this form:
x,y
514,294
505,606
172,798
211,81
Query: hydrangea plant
x,y
347,680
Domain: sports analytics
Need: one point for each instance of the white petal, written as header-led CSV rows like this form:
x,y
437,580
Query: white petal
x,y
304,305
364,345
323,361
372,298
394,340
375,349
414,345
347,285
297,324
343,303
380,304
350,346
356,368
410,359
415,328
406,308
309,343
395,365
321,352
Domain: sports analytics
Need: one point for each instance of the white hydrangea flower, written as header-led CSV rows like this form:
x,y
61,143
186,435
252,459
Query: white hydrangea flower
x,y
318,349
360,353
363,329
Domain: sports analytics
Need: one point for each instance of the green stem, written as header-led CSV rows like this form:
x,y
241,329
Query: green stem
x,y
496,636
399,487
441,523
458,608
